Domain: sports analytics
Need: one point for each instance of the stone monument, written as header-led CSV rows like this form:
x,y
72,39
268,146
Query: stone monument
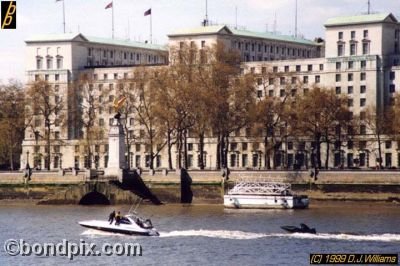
x,y
116,145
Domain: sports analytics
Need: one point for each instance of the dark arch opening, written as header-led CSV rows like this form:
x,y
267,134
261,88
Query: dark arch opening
x,y
94,198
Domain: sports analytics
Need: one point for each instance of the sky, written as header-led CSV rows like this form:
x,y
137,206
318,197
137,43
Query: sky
x,y
90,17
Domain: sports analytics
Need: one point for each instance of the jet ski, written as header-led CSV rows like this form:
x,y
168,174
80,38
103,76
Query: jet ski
x,y
131,224
302,229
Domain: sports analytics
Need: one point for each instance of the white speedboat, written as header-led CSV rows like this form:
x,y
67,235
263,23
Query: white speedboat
x,y
130,224
263,194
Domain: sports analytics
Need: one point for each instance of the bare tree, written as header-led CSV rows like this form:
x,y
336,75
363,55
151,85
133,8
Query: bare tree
x,y
47,104
12,122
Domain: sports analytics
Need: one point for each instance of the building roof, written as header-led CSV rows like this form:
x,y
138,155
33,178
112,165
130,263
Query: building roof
x,y
69,37
224,29
361,19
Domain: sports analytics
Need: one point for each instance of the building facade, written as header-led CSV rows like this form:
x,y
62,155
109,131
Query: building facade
x,y
359,59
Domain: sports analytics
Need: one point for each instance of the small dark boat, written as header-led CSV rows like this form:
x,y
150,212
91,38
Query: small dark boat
x,y
302,229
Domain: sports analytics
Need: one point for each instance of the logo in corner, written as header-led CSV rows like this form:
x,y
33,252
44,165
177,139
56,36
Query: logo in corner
x,y
8,15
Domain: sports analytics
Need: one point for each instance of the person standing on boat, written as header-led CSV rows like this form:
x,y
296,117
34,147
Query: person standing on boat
x,y
118,218
111,217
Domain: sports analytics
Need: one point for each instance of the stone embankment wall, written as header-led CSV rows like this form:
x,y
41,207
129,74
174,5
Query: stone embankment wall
x,y
206,185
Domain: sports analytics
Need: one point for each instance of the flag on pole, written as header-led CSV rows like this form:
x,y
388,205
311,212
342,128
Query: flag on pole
x,y
148,12
110,5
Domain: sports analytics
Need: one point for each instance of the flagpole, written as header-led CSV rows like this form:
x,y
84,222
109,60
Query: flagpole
x,y
64,15
151,26
112,19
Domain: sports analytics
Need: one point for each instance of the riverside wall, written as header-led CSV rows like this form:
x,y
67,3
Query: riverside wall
x,y
209,186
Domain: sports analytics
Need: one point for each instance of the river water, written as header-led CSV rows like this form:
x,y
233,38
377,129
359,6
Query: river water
x,y
208,234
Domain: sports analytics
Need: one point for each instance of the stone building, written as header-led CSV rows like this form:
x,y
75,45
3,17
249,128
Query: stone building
x,y
359,59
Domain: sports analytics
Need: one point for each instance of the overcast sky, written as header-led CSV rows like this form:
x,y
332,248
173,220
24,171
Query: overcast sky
x,y
90,17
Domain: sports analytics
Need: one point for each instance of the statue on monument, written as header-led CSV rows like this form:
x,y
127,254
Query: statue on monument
x,y
117,107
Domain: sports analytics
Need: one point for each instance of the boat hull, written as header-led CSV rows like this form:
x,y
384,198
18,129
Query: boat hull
x,y
265,202
119,229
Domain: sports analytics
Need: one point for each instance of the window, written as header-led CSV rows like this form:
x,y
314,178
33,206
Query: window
x,y
340,35
338,65
362,101
56,77
351,64
363,64
350,77
59,62
57,135
305,91
350,144
305,79
259,93
271,81
309,68
317,79
105,76
365,48
39,63
294,80
263,70
110,121
282,81
392,88
350,89
190,146
101,122
353,34
392,75
244,146
363,130
275,69
363,89
271,93
321,67
365,34
115,76
282,93
338,90
338,77
340,49
49,63
363,76
290,145
286,68
350,102
244,160
363,115
298,68
388,144
353,49
46,77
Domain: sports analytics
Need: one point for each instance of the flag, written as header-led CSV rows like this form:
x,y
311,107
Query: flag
x,y
148,12
110,5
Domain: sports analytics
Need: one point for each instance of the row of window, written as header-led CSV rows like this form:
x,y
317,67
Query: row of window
x,y
352,35
350,89
49,62
47,77
353,48
350,77
351,65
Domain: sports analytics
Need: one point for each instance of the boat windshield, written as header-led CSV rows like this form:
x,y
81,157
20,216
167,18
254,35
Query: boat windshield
x,y
125,220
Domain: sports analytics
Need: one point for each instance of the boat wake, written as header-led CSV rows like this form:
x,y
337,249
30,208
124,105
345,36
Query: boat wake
x,y
214,234
249,235
241,235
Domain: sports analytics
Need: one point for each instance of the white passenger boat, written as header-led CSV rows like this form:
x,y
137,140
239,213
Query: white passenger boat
x,y
263,194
